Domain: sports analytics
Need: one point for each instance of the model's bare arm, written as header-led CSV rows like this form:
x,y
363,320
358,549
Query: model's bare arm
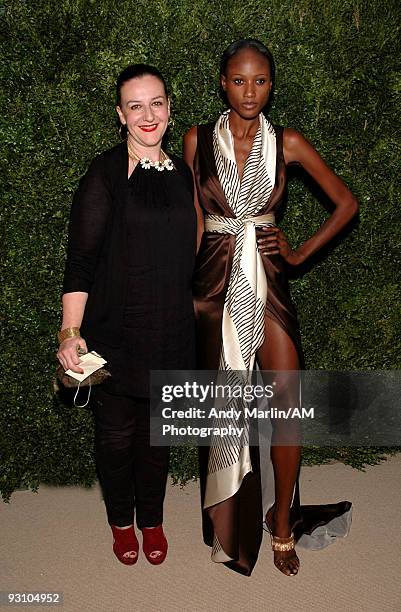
x,y
297,149
189,149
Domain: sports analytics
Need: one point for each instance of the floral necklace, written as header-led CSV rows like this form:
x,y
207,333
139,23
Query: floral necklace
x,y
164,163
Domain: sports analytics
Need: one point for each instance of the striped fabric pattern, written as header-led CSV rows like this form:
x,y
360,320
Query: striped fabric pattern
x,y
244,307
245,198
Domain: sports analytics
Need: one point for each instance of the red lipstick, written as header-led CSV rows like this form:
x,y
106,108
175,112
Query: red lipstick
x,y
148,128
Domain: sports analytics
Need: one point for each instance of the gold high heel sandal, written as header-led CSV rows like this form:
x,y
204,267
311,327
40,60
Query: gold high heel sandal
x,y
283,545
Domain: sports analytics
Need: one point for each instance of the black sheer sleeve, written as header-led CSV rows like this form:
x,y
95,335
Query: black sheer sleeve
x,y
89,217
185,172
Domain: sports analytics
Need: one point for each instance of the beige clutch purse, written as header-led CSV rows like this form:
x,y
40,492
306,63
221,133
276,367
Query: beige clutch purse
x,y
94,372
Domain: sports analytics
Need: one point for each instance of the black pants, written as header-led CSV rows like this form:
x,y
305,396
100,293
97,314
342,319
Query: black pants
x,y
132,473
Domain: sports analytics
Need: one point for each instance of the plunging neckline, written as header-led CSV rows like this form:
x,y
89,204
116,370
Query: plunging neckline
x,y
215,178
241,177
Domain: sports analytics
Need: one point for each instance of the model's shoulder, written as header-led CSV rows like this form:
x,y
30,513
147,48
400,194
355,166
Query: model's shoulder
x,y
191,135
292,138
190,142
296,147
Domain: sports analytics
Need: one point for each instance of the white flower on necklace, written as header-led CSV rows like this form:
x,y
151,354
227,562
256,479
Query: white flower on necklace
x,y
164,163
146,163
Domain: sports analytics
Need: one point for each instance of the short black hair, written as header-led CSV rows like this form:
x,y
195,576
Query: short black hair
x,y
133,72
246,43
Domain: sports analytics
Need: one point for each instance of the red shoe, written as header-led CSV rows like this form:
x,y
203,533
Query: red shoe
x,y
154,544
125,541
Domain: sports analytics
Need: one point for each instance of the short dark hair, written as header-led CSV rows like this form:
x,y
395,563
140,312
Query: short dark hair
x,y
246,43
135,71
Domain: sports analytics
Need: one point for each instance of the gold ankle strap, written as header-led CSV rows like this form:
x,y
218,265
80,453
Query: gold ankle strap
x,y
283,544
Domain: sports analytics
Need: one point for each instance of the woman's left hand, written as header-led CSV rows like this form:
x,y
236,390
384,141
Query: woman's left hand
x,y
275,243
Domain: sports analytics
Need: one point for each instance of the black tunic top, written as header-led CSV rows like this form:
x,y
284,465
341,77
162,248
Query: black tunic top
x,y
131,247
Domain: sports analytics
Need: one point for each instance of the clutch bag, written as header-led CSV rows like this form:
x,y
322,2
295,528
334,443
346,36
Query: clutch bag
x,y
94,372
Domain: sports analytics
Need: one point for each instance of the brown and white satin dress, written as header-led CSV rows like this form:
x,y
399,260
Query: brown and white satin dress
x,y
237,492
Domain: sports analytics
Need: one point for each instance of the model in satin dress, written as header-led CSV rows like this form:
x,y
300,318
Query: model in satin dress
x,y
244,313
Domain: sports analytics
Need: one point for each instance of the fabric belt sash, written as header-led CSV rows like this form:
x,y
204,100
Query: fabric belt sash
x,y
224,480
250,261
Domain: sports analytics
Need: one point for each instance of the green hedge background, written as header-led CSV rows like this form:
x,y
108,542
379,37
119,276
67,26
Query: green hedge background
x,y
338,81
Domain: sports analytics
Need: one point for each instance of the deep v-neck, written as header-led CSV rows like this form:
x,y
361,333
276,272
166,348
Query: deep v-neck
x,y
241,177
214,177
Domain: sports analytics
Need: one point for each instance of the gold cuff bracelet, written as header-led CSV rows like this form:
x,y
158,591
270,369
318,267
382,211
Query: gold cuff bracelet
x,y
68,332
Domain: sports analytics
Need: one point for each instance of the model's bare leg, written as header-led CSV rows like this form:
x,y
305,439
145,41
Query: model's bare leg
x,y
278,353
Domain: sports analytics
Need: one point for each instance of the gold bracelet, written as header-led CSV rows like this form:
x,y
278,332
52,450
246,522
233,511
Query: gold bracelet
x,y
68,332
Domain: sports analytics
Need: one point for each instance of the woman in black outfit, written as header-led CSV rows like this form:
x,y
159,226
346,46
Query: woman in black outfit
x,y
127,295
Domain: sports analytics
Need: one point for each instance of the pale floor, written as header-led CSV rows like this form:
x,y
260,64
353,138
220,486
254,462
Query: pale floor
x,y
58,540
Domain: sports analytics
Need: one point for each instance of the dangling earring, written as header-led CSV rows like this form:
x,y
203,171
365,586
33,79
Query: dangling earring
x,y
171,123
